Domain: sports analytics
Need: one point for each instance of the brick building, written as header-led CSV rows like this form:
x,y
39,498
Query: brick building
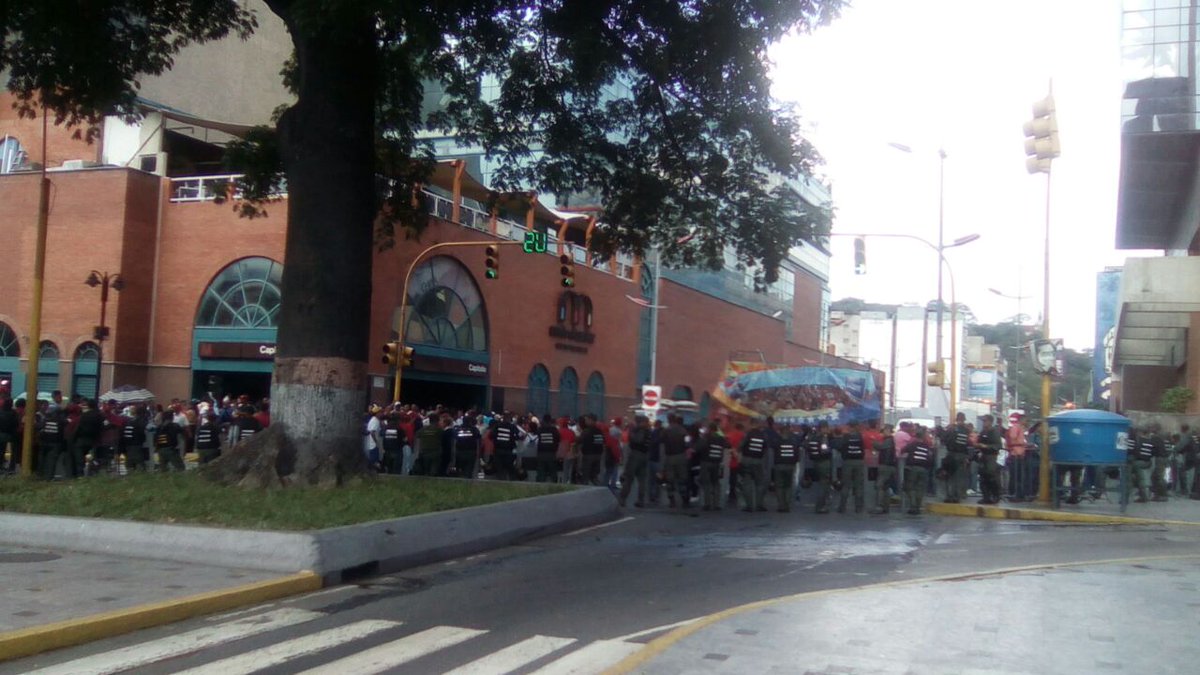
x,y
196,311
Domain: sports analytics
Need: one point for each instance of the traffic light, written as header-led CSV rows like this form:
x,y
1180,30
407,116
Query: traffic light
x,y
493,262
937,374
391,353
567,270
406,357
1041,137
860,255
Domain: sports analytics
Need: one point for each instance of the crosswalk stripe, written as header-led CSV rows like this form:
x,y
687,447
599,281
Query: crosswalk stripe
x,y
510,658
594,658
397,652
288,650
154,651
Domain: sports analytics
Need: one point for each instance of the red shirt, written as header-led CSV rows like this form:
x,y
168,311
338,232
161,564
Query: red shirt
x,y
870,438
566,440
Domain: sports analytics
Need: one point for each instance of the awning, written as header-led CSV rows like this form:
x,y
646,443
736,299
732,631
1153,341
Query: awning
x,y
231,128
1157,299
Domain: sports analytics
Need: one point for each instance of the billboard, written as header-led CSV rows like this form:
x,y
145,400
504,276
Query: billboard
x,y
1108,288
981,384
799,395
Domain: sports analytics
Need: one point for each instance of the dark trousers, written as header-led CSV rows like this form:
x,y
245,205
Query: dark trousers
x,y
427,464
547,469
170,457
51,452
589,467
637,468
80,448
464,465
135,458
989,478
5,441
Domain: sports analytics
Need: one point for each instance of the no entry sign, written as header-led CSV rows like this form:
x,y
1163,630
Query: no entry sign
x,y
651,397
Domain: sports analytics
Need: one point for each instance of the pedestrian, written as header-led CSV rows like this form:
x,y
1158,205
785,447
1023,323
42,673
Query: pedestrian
x,y
244,425
852,450
783,468
957,464
819,458
87,435
886,459
1140,455
8,434
504,447
429,448
566,450
918,460
394,442
734,435
52,441
751,455
1160,460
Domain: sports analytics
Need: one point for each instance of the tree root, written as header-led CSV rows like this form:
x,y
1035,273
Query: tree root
x,y
270,459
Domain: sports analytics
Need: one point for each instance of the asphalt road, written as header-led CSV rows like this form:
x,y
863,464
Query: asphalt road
x,y
609,589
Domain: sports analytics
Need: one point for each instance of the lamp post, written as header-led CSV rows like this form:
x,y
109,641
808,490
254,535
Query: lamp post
x,y
105,281
940,250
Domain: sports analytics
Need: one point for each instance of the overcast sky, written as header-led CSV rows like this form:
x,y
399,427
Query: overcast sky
x,y
962,75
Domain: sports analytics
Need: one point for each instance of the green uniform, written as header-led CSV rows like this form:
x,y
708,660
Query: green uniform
x,y
1141,459
820,460
1160,461
675,464
783,471
989,467
712,450
887,471
166,442
637,467
958,464
916,473
751,482
853,474
429,450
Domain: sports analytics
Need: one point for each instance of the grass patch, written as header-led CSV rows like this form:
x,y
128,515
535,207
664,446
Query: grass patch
x,y
187,498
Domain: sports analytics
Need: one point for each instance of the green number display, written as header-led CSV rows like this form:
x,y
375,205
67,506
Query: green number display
x,y
535,242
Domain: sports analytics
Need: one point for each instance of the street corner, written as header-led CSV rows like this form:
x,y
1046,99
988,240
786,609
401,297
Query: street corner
x,y
57,635
1046,515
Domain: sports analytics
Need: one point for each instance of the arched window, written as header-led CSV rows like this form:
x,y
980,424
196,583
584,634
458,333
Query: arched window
x,y
568,394
445,307
243,295
537,394
681,393
10,356
85,376
9,346
12,155
47,367
595,395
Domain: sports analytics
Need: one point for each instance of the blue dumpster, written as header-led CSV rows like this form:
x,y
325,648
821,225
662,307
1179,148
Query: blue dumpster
x,y
1088,437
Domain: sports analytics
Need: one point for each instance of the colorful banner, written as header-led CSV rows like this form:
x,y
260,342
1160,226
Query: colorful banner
x,y
1108,287
799,395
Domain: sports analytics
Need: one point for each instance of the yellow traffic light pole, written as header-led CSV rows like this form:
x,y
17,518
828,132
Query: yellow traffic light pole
x,y
404,295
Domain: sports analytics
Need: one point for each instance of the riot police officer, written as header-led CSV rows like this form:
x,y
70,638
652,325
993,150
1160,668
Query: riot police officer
x,y
783,468
166,442
1140,445
637,464
751,455
675,461
133,440
467,444
208,438
244,425
548,439
712,450
853,475
958,441
1160,459
394,440
918,460
504,443
429,447
52,439
819,458
989,444
885,452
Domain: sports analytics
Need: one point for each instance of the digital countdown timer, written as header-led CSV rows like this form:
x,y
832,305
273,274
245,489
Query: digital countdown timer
x,y
535,242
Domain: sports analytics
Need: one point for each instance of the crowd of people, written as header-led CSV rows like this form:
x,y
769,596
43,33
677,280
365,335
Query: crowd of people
x,y
79,436
709,464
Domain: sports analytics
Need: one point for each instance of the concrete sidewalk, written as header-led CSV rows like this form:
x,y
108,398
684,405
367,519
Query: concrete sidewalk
x,y
55,597
1105,510
1130,616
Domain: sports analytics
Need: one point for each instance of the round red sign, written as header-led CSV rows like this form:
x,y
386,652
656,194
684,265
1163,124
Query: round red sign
x,y
650,398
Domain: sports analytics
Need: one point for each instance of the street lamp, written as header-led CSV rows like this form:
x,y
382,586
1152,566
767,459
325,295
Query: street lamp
x,y
105,281
1020,331
940,250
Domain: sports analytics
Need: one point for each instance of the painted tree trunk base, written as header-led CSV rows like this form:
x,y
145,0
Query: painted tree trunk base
x,y
312,439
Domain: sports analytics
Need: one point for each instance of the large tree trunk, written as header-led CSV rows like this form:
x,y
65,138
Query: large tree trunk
x,y
318,393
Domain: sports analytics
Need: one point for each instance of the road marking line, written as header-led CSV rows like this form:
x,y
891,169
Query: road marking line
x,y
597,527
192,641
594,658
511,658
282,652
660,644
657,629
397,652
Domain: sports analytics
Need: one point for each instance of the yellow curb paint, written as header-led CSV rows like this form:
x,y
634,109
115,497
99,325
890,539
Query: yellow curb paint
x,y
660,644
1002,513
36,639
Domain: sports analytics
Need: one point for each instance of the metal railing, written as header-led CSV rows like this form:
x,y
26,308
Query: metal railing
x,y
207,188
